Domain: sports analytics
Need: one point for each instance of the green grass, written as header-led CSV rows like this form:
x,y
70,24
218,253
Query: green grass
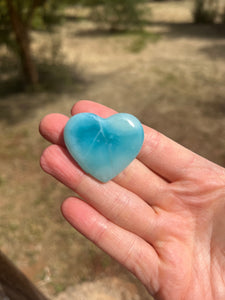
x,y
141,39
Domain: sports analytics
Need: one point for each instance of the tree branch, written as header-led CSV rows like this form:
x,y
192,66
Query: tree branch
x,y
14,284
16,21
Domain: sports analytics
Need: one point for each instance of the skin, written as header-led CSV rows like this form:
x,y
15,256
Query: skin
x,y
163,217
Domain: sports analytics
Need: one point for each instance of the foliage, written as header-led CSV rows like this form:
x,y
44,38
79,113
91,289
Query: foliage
x,y
205,11
223,16
17,18
92,3
4,24
41,15
141,39
116,14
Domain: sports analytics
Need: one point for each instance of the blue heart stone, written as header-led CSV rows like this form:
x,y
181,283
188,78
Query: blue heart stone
x,y
103,147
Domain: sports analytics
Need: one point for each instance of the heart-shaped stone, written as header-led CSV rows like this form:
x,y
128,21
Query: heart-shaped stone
x,y
103,147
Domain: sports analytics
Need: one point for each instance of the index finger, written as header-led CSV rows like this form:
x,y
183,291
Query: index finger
x,y
162,155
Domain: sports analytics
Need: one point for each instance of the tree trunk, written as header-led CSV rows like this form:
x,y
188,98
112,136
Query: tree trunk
x,y
21,31
14,285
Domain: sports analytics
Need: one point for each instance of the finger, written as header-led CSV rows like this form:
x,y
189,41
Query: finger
x,y
52,126
119,205
128,249
136,177
159,153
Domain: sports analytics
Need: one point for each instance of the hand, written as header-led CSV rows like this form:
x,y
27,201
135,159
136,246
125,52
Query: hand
x,y
163,217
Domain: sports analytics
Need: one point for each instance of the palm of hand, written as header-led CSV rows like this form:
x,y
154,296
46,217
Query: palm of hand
x,y
162,217
192,246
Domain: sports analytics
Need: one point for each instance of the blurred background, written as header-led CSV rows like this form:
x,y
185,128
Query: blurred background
x,y
162,61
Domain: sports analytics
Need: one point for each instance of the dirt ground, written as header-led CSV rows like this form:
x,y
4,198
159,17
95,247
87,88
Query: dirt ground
x,y
171,78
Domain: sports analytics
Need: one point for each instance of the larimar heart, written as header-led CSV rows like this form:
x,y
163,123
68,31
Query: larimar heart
x,y
103,147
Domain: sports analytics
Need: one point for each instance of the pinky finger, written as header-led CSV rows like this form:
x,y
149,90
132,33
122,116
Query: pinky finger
x,y
127,248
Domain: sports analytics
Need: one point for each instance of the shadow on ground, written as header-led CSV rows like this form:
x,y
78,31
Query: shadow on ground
x,y
174,30
19,101
190,30
216,50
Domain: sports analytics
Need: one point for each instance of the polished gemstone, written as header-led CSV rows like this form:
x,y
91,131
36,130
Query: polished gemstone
x,y
103,147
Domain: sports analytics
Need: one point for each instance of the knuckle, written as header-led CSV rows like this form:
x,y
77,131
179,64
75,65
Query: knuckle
x,y
47,156
99,234
151,142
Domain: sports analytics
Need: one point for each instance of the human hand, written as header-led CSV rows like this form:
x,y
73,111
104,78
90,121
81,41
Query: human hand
x,y
163,217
